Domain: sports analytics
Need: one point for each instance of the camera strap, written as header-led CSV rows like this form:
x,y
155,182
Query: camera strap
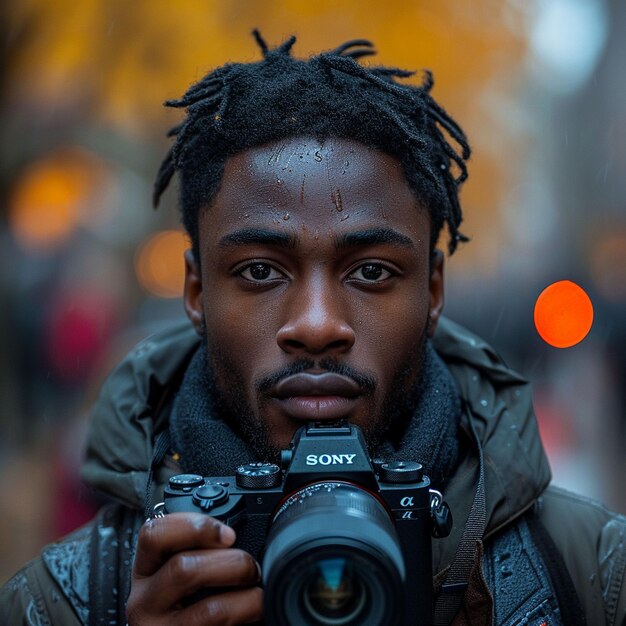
x,y
161,448
456,582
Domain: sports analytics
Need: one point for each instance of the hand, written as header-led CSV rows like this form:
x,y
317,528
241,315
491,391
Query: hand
x,y
181,554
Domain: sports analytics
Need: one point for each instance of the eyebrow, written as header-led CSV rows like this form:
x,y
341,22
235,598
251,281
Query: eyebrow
x,y
252,236
372,237
361,238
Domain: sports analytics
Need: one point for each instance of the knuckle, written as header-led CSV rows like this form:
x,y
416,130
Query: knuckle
x,y
181,567
205,525
218,612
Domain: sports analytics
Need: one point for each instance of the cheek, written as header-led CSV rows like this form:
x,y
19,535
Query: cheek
x,y
396,319
239,334
390,332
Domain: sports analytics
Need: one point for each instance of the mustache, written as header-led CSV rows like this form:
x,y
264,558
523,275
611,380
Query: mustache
x,y
367,382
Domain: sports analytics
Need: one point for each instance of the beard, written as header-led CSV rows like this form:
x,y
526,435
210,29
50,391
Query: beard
x,y
229,400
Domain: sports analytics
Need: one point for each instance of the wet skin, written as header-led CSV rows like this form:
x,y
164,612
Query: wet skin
x,y
314,258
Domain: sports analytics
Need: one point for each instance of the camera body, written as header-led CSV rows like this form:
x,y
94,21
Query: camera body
x,y
343,540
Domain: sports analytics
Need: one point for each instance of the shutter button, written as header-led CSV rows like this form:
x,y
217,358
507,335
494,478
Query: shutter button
x,y
210,496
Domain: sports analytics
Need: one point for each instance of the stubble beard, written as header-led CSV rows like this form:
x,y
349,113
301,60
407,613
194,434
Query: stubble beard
x,y
228,399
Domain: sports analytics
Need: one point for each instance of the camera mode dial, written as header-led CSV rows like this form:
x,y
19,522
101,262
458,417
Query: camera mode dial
x,y
258,476
185,482
401,472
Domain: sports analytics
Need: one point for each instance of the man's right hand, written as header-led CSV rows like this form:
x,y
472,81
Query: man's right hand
x,y
184,553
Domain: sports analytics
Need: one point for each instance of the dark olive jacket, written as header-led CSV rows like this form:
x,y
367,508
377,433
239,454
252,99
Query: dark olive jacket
x,y
134,406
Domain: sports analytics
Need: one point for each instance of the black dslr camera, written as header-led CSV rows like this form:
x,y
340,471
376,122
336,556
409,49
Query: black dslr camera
x,y
343,541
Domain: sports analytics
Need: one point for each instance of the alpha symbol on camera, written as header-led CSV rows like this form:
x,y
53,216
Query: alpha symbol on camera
x,y
407,501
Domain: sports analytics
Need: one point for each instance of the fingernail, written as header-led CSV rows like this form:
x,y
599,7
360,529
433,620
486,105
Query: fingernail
x,y
227,535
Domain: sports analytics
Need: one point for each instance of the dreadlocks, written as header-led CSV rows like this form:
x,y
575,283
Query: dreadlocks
x,y
242,105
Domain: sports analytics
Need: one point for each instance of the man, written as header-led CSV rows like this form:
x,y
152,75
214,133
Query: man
x,y
314,193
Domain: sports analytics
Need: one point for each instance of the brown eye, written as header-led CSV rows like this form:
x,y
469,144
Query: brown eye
x,y
371,272
260,272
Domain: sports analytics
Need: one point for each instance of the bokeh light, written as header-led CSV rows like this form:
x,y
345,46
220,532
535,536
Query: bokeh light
x,y
44,207
563,314
54,195
159,264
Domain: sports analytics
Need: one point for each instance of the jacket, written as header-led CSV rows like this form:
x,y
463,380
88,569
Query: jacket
x,y
134,406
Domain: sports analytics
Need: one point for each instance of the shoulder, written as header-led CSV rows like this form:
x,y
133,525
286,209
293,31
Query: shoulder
x,y
592,541
51,589
89,570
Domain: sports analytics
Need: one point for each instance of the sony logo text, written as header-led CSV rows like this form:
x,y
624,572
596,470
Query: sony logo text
x,y
329,459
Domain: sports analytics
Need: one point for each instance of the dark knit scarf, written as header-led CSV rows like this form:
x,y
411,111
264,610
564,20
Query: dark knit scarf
x,y
210,447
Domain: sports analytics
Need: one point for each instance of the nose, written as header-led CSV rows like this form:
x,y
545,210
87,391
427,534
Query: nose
x,y
316,323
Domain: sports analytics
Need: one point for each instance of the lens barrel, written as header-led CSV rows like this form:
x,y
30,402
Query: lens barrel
x,y
333,558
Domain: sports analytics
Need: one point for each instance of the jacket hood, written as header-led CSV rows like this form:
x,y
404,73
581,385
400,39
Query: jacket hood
x,y
133,407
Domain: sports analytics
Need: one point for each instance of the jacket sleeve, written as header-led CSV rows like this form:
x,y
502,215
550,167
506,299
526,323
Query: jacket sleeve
x,y
33,598
592,541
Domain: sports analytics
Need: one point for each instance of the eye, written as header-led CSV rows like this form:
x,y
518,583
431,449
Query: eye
x,y
371,273
260,272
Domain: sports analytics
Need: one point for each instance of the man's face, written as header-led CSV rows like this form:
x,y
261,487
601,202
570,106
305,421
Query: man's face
x,y
314,288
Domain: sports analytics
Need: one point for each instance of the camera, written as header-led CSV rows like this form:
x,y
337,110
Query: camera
x,y
343,540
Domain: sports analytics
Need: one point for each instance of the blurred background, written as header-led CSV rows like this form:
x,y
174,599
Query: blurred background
x,y
87,268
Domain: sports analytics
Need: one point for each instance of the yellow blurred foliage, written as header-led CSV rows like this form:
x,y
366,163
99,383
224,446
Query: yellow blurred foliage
x,y
117,61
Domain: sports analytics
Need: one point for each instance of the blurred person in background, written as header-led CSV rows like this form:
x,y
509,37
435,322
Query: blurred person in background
x,y
314,194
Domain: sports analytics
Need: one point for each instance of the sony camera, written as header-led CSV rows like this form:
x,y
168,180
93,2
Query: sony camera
x,y
343,540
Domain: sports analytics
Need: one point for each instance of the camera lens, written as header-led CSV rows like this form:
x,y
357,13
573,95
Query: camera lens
x,y
334,593
333,558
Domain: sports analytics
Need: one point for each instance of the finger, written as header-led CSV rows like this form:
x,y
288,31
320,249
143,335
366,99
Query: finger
x,y
186,573
161,537
243,606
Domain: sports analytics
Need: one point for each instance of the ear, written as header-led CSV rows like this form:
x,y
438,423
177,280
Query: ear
x,y
436,291
192,295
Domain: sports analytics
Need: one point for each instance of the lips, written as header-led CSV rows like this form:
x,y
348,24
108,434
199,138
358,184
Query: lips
x,y
308,396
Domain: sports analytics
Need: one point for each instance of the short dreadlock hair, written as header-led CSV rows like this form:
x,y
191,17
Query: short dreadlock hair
x,y
242,105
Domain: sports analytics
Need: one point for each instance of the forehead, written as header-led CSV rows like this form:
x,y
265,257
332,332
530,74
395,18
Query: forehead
x,y
304,185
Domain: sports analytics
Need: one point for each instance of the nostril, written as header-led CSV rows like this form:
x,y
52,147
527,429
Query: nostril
x,y
337,344
293,344
314,345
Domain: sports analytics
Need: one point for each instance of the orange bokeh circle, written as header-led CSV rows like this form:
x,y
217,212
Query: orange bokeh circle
x,y
159,263
563,314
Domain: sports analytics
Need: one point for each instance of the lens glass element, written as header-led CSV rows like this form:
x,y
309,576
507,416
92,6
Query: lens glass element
x,y
334,592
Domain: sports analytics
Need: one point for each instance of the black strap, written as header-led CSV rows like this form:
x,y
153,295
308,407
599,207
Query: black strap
x,y
161,447
571,610
456,582
112,549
